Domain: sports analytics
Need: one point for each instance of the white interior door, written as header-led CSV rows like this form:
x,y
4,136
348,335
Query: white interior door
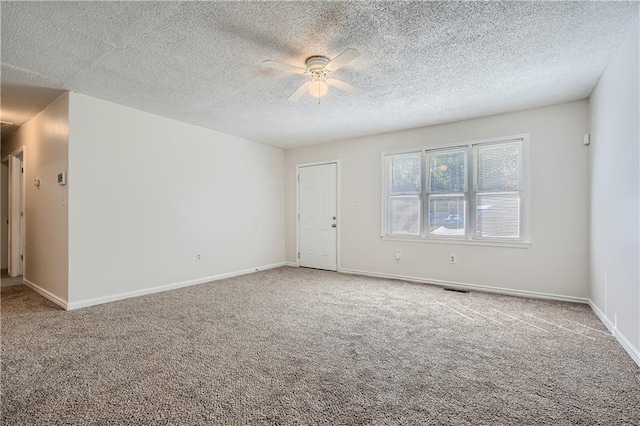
x,y
317,201
15,216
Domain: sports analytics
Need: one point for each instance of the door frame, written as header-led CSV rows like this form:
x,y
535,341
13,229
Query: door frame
x,y
22,150
338,209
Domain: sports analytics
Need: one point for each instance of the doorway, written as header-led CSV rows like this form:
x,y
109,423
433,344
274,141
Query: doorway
x,y
318,216
15,224
4,218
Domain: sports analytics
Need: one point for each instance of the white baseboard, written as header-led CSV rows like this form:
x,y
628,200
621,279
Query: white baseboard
x,y
151,290
46,294
467,286
294,264
607,323
621,338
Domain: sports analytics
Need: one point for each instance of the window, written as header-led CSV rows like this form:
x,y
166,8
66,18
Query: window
x,y
404,193
446,193
472,191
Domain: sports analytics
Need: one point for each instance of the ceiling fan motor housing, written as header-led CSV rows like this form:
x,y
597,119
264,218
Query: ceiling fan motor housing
x,y
316,64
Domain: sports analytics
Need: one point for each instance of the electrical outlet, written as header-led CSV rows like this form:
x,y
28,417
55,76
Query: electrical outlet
x,y
398,254
452,258
198,257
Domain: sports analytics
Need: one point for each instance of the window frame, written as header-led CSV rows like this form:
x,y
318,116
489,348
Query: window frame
x,y
470,194
428,193
387,201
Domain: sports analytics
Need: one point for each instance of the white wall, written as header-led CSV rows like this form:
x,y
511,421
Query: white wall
x,y
615,183
4,214
147,193
556,261
45,138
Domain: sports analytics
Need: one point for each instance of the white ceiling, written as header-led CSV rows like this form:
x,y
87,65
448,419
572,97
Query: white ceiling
x,y
422,63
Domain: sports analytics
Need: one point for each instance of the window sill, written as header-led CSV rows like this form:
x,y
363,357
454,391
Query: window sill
x,y
459,241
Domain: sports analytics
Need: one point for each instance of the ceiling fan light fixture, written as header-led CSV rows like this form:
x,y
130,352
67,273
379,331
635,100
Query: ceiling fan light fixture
x,y
318,67
318,88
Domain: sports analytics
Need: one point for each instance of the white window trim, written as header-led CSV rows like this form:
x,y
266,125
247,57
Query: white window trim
x,y
469,238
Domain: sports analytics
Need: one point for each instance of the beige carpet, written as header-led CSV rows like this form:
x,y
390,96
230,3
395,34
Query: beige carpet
x,y
7,281
296,346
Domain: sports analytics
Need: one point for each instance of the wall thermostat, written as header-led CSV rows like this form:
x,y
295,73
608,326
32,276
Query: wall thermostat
x,y
62,178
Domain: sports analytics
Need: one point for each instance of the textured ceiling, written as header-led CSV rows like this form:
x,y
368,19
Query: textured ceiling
x,y
422,63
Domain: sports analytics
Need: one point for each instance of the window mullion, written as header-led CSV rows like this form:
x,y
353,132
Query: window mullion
x,y
387,196
472,190
424,194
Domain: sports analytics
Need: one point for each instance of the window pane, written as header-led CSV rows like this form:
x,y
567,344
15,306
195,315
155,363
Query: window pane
x,y
446,215
447,171
404,215
498,215
405,173
499,167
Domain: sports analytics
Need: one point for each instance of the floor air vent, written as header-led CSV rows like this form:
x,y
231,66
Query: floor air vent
x,y
457,290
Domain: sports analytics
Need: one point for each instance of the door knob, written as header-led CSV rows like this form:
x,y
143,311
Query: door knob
x,y
333,225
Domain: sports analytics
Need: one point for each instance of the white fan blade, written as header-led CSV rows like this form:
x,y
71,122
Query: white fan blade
x,y
283,67
339,84
342,59
299,92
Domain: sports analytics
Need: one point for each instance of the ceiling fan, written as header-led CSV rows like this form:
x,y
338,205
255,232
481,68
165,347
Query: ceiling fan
x,y
318,68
